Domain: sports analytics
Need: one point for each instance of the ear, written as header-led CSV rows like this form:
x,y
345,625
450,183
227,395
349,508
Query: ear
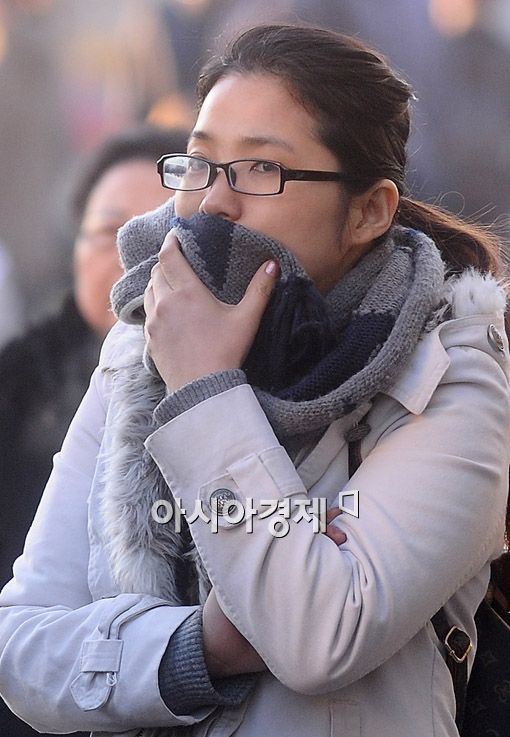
x,y
371,213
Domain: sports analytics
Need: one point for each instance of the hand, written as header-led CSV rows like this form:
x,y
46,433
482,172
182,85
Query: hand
x,y
332,531
226,651
189,332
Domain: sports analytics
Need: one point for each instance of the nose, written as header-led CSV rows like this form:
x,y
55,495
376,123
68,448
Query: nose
x,y
219,199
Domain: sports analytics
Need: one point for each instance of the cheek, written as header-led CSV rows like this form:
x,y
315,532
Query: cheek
x,y
83,263
187,203
315,239
97,268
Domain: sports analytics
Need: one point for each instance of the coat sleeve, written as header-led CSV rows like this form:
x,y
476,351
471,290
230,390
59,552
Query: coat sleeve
x,y
432,495
68,663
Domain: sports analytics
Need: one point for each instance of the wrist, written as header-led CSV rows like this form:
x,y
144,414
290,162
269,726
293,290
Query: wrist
x,y
226,651
222,649
176,381
234,662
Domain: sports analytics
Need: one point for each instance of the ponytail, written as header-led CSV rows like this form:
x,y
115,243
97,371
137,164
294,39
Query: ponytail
x,y
462,244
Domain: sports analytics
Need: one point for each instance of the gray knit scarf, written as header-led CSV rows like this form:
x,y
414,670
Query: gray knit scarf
x,y
368,326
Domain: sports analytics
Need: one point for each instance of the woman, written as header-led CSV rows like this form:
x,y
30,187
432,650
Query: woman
x,y
322,327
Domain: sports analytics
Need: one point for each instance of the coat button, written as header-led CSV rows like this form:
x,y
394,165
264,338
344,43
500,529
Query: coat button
x,y
495,339
220,500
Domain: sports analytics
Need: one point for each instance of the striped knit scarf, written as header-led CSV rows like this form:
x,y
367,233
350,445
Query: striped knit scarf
x,y
315,358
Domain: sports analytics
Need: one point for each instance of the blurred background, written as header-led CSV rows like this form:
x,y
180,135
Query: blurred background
x,y
73,73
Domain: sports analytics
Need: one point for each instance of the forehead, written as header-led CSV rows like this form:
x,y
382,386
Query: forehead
x,y
125,188
254,109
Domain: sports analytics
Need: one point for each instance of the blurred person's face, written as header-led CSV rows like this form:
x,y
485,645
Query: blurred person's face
x,y
129,188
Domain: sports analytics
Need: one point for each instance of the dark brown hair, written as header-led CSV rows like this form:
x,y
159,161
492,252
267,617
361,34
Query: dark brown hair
x,y
363,111
141,142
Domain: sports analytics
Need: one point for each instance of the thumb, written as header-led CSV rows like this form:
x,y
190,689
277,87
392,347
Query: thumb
x,y
259,290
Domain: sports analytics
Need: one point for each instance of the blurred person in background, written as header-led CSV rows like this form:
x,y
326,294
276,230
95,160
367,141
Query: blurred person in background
x,y
45,372
10,302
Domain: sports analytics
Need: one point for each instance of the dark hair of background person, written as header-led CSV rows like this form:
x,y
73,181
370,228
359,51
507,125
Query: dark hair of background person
x,y
363,110
143,142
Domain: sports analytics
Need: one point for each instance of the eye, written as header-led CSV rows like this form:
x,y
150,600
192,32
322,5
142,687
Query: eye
x,y
196,165
265,167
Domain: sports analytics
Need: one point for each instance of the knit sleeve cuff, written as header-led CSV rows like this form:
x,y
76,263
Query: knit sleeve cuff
x,y
195,392
184,681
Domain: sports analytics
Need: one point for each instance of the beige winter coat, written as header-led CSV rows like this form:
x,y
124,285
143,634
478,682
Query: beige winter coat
x,y
344,630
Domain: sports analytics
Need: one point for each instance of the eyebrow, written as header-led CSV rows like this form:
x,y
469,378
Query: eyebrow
x,y
252,141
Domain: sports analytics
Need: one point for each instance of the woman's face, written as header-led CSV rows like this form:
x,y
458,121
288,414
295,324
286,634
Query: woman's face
x,y
254,116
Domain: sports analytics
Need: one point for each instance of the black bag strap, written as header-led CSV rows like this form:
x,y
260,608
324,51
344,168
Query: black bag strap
x,y
457,645
456,642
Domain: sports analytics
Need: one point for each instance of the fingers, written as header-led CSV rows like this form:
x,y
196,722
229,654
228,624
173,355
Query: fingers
x,y
332,513
259,290
173,264
158,280
156,288
335,533
332,530
148,297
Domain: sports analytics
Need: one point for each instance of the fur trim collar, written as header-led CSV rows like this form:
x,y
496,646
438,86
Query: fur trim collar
x,y
470,293
145,556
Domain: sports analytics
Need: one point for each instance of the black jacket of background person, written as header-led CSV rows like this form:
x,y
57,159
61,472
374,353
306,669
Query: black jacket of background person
x,y
43,376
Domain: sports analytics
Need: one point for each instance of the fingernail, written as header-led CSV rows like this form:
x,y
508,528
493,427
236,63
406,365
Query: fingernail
x,y
272,268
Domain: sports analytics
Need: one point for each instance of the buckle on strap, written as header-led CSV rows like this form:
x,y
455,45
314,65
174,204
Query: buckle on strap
x,y
458,644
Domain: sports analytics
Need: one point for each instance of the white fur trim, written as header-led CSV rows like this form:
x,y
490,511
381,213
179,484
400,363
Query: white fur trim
x,y
470,293
473,293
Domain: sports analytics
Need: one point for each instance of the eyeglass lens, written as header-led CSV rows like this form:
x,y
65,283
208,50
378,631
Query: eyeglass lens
x,y
247,176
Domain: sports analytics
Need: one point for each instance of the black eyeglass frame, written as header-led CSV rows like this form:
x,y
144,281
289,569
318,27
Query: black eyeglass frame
x,y
286,175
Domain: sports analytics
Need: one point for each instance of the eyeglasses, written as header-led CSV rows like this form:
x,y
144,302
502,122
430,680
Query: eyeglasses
x,y
248,176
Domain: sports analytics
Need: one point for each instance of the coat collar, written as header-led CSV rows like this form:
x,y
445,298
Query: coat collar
x,y
471,308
